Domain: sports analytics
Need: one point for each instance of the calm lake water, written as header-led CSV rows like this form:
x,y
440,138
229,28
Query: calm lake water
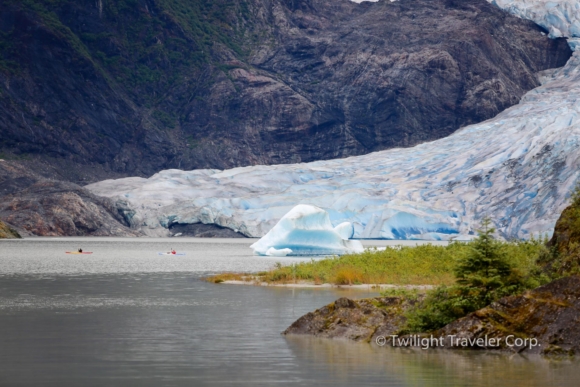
x,y
125,316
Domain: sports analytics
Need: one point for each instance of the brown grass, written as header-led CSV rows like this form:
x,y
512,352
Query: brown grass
x,y
222,277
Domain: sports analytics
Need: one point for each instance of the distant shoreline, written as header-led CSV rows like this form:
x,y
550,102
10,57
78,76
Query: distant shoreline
x,y
308,284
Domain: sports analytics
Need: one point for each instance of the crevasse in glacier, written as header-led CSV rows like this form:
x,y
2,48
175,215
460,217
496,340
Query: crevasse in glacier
x,y
306,230
517,168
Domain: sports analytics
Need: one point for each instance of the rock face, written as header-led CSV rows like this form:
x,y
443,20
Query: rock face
x,y
133,87
564,257
358,320
46,207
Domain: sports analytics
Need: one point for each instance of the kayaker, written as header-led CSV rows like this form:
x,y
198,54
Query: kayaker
x,y
173,251
80,250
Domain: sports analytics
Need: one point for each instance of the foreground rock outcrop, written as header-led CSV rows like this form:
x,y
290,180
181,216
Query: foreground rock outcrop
x,y
138,86
358,320
547,315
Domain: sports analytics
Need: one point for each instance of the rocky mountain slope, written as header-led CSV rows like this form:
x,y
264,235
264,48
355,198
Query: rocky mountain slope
x,y
46,207
91,89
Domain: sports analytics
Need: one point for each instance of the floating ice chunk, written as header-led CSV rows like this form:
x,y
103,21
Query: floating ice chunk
x,y
278,253
306,230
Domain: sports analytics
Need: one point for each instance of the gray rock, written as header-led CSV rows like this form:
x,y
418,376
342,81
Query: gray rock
x,y
358,320
45,207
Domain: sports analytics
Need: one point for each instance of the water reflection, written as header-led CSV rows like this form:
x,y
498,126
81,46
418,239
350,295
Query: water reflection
x,y
127,317
351,362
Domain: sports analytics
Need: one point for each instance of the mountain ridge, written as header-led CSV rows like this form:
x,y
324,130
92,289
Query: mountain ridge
x,y
98,89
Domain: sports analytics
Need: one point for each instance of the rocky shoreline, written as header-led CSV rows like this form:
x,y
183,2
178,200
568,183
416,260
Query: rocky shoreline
x,y
358,320
541,321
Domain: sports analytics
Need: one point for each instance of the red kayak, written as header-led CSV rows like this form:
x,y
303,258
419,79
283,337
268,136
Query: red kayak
x,y
76,252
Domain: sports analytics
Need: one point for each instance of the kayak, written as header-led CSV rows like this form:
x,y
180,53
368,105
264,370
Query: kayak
x,y
76,252
171,253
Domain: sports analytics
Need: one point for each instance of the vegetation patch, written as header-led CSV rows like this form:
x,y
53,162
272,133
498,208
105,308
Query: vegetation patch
x,y
489,271
419,265
563,257
7,232
222,277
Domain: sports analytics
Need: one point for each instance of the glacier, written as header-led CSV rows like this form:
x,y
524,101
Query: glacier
x,y
517,169
307,230
560,18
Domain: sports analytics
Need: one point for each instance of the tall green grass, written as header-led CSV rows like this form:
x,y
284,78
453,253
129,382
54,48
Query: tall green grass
x,y
420,265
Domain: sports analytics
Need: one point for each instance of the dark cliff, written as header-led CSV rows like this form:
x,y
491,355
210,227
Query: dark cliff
x,y
97,88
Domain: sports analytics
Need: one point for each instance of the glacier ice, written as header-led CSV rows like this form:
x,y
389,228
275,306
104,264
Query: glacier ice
x,y
517,168
560,18
307,230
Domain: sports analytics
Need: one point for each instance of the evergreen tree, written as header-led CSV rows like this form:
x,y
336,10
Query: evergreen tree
x,y
486,273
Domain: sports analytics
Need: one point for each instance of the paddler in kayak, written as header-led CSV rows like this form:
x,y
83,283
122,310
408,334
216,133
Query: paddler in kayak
x,y
80,250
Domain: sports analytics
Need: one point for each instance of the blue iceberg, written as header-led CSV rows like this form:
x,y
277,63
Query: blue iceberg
x,y
306,230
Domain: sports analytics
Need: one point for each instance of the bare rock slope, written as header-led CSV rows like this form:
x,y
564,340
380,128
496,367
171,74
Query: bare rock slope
x,y
47,207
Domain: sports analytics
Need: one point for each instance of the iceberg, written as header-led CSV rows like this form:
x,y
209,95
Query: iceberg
x,y
307,230
517,168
